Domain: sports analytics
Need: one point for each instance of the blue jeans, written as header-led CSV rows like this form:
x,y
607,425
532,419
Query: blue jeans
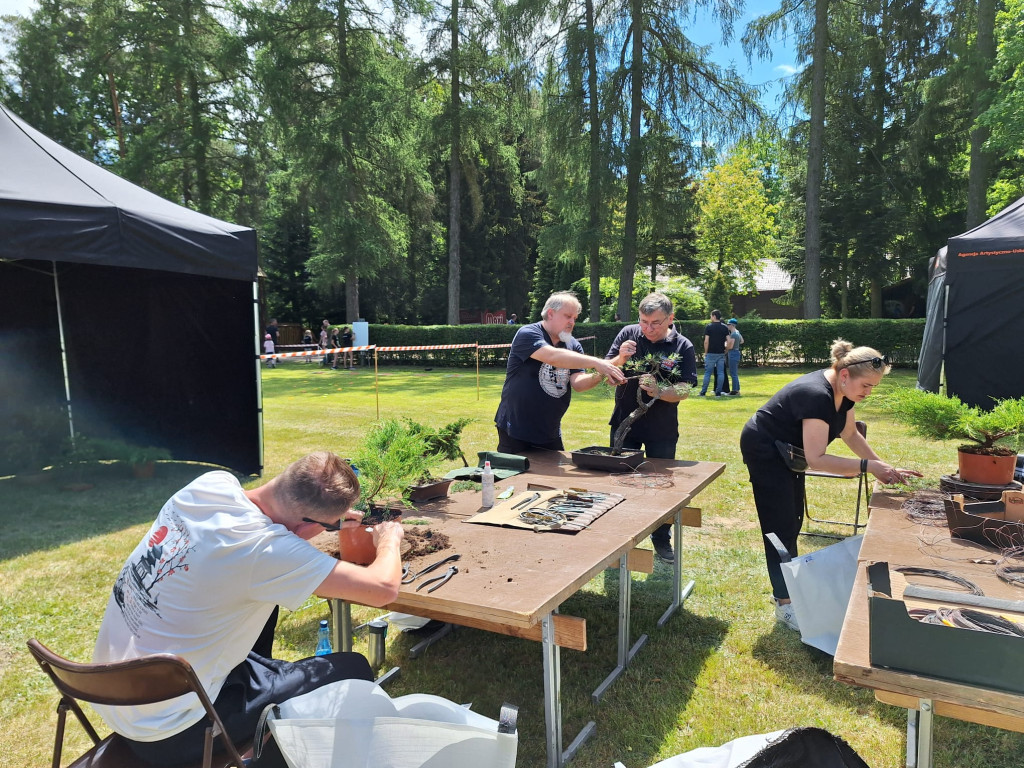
x,y
714,360
734,368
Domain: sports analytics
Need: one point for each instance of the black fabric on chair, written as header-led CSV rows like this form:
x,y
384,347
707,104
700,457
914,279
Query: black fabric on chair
x,y
134,682
863,492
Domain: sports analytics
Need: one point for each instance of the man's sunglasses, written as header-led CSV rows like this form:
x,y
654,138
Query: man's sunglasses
x,y
326,526
876,362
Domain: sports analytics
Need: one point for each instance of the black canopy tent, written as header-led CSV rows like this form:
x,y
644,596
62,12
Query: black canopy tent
x,y
137,313
976,310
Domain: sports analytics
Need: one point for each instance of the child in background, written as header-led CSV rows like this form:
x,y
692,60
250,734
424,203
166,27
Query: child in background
x,y
268,349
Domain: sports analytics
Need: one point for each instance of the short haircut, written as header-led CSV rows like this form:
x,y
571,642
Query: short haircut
x,y
558,300
321,486
655,302
716,313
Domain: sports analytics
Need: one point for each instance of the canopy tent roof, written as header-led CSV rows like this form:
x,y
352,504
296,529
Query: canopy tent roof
x,y
57,206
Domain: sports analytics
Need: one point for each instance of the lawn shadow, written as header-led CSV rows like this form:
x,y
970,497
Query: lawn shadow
x,y
489,669
811,669
59,507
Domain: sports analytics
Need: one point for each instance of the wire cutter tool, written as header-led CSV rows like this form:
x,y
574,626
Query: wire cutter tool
x,y
441,580
409,578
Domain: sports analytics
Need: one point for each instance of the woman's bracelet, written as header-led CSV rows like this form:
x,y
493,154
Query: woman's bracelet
x,y
863,466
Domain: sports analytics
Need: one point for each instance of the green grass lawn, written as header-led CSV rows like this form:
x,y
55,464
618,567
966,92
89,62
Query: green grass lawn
x,y
719,669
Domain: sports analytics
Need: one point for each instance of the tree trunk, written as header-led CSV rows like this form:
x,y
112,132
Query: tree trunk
x,y
454,180
351,296
595,176
981,161
118,122
876,297
815,162
634,160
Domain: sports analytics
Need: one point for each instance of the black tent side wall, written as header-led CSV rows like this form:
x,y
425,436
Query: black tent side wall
x,y
166,359
985,309
31,377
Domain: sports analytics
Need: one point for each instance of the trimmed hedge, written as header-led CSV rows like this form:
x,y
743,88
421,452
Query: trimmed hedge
x,y
767,342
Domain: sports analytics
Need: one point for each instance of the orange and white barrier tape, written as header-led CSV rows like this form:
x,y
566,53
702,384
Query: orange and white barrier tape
x,y
422,349
319,351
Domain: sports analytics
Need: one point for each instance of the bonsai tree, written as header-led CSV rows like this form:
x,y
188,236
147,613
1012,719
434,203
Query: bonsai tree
x,y
391,457
995,433
651,370
444,442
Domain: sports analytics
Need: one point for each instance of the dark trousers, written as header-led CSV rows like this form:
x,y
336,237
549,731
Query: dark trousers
x,y
248,689
653,449
779,498
509,444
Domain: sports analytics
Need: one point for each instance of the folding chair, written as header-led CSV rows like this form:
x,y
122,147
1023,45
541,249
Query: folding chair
x,y
130,683
863,492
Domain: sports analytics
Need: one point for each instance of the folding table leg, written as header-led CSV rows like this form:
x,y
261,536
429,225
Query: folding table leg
x,y
553,701
919,735
625,653
679,592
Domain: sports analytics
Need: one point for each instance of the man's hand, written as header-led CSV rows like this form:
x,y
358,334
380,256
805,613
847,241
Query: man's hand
x,y
627,349
388,533
607,369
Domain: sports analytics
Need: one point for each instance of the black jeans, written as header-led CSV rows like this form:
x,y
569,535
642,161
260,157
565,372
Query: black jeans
x,y
779,498
247,690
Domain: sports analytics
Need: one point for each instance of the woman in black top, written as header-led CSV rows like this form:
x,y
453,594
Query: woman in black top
x,y
809,413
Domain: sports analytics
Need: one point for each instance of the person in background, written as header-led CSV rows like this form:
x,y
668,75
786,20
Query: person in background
x,y
734,355
716,341
513,319
268,349
273,330
809,413
346,344
307,343
545,365
325,328
205,582
335,344
657,431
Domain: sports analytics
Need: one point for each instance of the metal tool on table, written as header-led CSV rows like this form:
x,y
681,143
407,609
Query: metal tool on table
x,y
441,580
408,577
526,502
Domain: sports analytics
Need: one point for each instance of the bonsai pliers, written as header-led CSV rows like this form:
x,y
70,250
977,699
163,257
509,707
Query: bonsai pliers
x,y
441,580
409,578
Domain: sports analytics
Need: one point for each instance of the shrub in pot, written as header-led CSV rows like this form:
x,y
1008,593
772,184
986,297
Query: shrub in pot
x,y
993,437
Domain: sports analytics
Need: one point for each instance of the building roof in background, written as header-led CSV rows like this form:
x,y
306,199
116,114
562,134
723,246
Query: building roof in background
x,y
772,277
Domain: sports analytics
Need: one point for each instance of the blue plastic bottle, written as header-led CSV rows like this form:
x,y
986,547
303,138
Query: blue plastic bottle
x,y
323,642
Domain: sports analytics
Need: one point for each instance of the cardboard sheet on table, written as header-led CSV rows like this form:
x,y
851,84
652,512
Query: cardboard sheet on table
x,y
507,512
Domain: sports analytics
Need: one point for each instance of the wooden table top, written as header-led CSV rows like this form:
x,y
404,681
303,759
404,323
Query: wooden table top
x,y
892,538
511,578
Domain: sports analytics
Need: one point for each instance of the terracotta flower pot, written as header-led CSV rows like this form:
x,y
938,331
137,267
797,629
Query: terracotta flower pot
x,y
986,469
356,544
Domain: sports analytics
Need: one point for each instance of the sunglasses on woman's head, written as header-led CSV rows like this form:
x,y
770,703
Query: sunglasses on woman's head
x,y
876,362
326,526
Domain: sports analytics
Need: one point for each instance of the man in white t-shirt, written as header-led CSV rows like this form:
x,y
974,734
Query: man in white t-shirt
x,y
205,583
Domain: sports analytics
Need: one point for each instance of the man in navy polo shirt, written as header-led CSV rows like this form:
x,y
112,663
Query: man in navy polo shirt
x,y
657,431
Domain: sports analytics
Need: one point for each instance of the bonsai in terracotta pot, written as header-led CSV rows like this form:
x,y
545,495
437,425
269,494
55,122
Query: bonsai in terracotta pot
x,y
993,436
390,457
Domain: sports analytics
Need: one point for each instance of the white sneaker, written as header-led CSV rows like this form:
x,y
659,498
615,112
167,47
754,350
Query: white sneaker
x,y
785,614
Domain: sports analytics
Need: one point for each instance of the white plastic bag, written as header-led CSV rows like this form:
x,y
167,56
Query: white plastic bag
x,y
820,585
732,754
355,724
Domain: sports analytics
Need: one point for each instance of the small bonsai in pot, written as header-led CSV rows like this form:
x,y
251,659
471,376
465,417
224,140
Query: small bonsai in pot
x,y
992,436
651,371
390,458
143,457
